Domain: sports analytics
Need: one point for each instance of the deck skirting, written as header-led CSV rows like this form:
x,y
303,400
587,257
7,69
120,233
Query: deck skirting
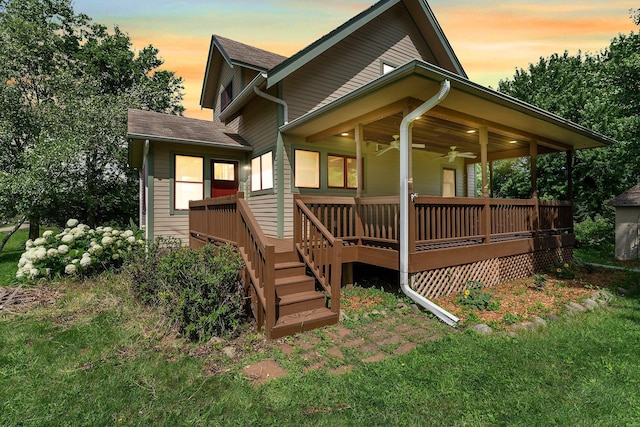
x,y
491,272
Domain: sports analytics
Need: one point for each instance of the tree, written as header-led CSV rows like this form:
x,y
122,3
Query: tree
x,y
66,86
600,92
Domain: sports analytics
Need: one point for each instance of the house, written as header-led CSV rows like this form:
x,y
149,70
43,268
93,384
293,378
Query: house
x,y
362,148
627,207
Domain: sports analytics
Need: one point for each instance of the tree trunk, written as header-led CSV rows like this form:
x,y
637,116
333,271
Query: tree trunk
x,y
34,227
10,233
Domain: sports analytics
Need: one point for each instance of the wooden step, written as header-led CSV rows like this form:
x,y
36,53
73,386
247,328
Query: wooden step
x,y
303,321
294,285
288,269
298,302
289,256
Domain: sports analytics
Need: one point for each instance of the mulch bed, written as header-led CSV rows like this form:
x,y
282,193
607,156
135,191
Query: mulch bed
x,y
521,299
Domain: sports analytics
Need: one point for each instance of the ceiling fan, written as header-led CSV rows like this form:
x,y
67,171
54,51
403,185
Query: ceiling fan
x,y
396,144
455,153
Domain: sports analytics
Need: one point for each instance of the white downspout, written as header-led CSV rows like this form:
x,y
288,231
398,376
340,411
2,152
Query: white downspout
x,y
405,144
274,99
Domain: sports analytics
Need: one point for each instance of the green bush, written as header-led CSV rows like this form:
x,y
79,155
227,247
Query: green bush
x,y
199,290
77,250
596,233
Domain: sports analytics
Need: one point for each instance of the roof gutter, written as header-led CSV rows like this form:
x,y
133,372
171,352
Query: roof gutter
x,y
274,99
405,144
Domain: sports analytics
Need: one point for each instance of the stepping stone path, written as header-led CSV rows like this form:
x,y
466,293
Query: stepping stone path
x,y
339,349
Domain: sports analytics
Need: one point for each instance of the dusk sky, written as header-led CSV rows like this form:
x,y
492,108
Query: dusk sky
x,y
491,38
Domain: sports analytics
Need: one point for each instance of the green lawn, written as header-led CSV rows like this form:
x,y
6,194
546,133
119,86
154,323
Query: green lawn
x,y
96,357
11,255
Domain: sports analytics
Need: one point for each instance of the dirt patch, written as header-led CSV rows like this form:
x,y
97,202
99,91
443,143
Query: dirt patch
x,y
20,299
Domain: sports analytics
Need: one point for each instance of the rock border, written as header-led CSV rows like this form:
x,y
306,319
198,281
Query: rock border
x,y
599,298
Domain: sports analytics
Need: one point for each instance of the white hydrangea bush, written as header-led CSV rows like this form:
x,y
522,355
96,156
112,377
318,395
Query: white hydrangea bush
x,y
78,250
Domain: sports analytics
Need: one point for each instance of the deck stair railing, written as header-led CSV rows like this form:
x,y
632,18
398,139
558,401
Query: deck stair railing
x,y
319,249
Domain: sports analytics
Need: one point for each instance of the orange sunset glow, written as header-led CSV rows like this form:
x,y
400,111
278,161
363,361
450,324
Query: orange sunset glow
x,y
492,39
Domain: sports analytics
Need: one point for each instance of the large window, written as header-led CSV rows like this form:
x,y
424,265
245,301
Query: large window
x,y
342,171
448,182
307,169
226,96
189,181
262,172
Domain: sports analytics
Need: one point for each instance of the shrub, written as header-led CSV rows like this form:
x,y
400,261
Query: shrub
x,y
77,250
476,298
597,233
563,271
199,290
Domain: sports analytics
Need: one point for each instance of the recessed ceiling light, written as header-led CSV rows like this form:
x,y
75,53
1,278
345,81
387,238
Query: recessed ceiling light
x,y
471,131
513,142
344,134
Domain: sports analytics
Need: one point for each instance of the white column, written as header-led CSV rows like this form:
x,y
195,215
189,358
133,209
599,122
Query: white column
x,y
484,142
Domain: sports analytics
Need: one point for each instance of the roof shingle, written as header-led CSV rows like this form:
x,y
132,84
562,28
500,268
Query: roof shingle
x,y
166,127
630,197
249,55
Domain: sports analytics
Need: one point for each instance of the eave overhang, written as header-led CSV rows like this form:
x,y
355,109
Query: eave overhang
x,y
473,103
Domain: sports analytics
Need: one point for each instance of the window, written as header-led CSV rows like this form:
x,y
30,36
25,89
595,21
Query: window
x,y
226,96
448,182
385,68
342,171
262,172
307,169
189,181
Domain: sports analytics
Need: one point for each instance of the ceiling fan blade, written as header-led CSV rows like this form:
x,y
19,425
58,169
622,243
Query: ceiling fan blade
x,y
418,145
467,155
384,150
451,158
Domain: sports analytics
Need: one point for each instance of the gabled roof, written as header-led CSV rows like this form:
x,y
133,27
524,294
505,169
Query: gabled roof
x,y
152,126
420,12
242,54
233,53
630,197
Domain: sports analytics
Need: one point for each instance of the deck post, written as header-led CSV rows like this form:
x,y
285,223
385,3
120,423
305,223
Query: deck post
x,y
270,289
486,220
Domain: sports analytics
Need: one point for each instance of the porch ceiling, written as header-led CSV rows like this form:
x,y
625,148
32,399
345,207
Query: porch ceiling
x,y
380,105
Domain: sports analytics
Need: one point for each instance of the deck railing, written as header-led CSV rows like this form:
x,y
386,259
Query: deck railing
x,y
229,219
439,221
319,249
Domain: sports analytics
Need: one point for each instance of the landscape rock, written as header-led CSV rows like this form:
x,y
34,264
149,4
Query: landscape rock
x,y
623,291
574,307
526,326
229,351
590,304
553,318
415,308
482,329
540,322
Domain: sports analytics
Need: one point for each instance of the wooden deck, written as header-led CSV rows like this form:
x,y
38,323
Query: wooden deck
x,y
475,238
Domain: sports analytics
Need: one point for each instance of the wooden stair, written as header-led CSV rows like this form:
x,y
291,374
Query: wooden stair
x,y
299,307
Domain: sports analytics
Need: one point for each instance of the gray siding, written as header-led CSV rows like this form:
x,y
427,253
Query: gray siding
x,y
627,233
355,61
226,76
177,224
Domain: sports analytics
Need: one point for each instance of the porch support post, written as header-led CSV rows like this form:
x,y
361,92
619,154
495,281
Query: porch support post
x,y
570,175
359,135
533,153
491,180
484,142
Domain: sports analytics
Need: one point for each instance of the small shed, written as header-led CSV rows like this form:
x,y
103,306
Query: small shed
x,y
627,207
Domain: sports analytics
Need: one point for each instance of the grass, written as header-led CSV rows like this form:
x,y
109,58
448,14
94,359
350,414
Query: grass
x,y
11,255
96,357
